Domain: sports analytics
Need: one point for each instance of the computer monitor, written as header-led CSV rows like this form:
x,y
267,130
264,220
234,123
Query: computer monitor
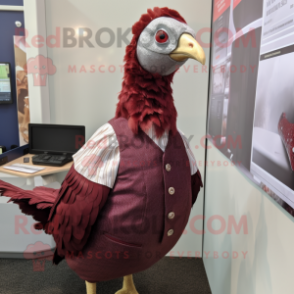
x,y
5,83
254,40
55,139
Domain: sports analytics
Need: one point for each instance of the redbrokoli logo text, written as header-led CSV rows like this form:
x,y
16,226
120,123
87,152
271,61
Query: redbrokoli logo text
x,y
106,37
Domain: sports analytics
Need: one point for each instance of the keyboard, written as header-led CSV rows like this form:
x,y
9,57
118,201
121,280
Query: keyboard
x,y
51,160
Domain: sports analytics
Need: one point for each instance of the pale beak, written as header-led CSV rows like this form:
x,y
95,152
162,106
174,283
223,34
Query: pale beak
x,y
188,47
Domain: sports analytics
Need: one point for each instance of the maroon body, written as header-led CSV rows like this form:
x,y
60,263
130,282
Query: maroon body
x,y
131,232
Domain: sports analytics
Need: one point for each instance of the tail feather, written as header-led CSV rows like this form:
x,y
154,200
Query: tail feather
x,y
37,202
41,196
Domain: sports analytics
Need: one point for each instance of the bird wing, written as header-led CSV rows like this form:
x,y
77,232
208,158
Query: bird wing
x,y
36,203
74,213
196,182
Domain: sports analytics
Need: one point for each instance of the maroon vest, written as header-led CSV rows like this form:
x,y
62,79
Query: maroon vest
x,y
147,209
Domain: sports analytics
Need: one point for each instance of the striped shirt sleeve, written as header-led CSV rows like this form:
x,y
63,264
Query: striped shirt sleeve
x,y
98,160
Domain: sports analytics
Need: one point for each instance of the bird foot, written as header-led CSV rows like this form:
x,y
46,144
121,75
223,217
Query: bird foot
x,y
126,291
128,286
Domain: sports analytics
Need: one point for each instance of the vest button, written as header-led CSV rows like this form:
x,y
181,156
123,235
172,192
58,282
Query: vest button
x,y
171,215
168,167
171,190
170,232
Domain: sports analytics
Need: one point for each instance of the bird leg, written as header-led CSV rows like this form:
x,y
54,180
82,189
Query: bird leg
x,y
128,286
91,288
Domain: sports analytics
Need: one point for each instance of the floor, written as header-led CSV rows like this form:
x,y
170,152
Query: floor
x,y
168,276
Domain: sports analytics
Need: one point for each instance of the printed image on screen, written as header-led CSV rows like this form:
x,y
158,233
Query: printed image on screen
x,y
22,89
274,107
251,107
272,145
5,83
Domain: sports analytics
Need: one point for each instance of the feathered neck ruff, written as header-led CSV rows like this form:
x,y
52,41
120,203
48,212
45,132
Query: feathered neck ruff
x,y
146,98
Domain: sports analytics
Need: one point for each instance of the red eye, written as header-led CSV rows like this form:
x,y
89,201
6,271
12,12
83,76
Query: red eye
x,y
161,36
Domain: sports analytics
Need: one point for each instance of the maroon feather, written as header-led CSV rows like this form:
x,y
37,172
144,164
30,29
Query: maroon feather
x,y
36,203
68,213
75,212
196,182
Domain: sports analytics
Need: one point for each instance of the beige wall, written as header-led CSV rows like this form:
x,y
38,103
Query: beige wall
x,y
269,263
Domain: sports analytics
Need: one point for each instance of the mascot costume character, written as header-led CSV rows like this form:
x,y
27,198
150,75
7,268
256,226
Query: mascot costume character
x,y
126,200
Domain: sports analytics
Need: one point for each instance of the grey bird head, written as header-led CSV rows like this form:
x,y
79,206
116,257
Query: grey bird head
x,y
166,44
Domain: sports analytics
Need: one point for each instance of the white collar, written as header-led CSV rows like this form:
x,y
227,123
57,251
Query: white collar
x,y
161,141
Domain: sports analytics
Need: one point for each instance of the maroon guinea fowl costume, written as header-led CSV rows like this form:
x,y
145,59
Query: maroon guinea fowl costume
x,y
132,231
105,231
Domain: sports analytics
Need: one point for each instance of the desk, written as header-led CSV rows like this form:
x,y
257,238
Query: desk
x,y
48,174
